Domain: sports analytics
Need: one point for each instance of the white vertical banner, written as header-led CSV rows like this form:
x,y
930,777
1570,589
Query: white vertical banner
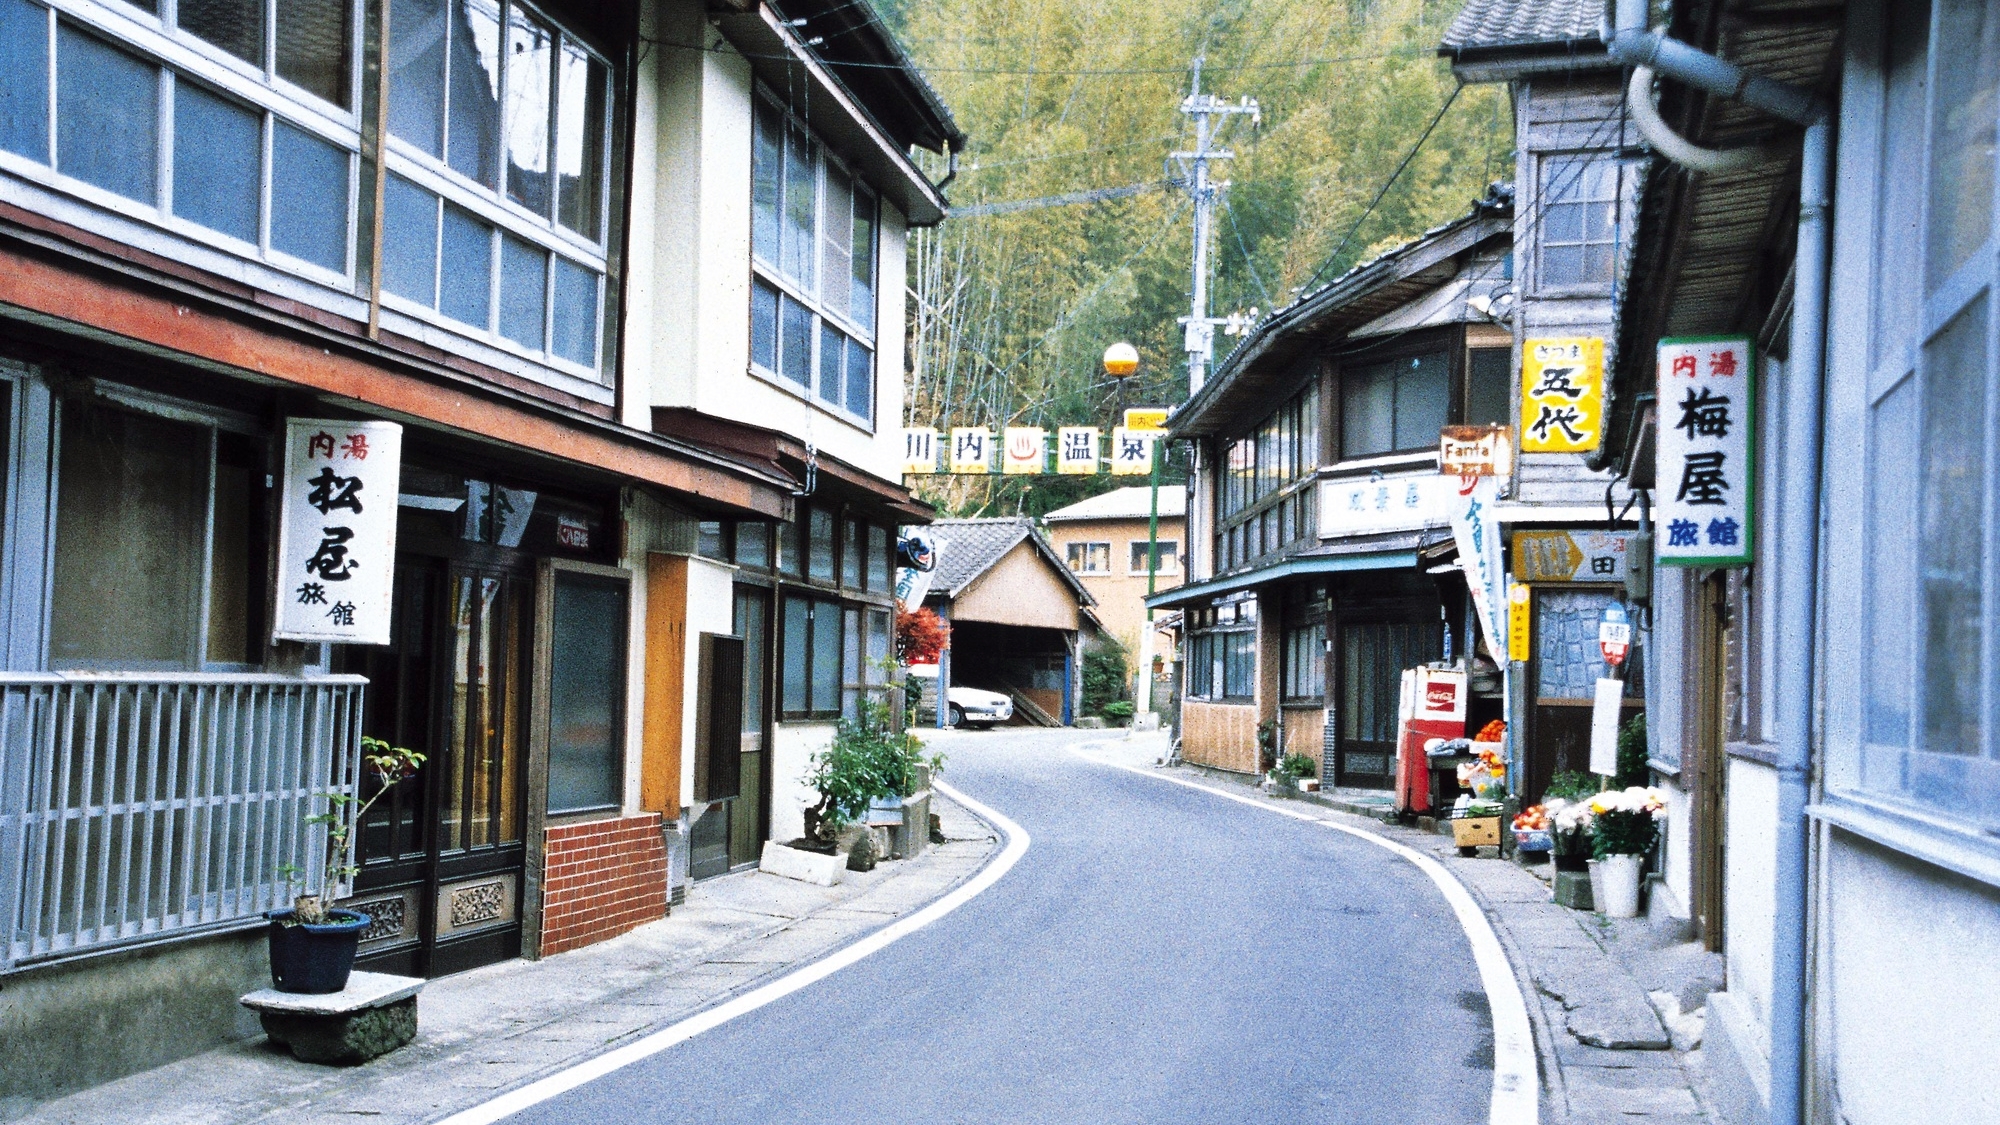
x,y
1076,450
1604,726
1705,486
1475,526
337,530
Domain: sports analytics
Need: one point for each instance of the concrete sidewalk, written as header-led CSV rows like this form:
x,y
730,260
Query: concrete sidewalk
x,y
1595,988
492,1029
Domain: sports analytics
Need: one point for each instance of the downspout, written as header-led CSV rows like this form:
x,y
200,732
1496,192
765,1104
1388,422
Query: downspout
x,y
951,148
1801,414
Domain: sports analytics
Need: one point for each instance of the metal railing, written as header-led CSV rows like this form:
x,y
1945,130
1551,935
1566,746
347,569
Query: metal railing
x,y
135,806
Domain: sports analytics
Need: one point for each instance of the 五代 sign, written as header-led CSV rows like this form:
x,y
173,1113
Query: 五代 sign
x,y
1704,507
337,537
1562,394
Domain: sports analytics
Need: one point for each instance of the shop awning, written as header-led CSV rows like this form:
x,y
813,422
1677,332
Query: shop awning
x,y
1291,568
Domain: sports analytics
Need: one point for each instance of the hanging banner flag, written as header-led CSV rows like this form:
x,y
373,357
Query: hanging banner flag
x,y
1562,394
1705,500
971,449
920,450
1475,526
1076,450
1520,622
1146,419
1022,451
1131,454
337,530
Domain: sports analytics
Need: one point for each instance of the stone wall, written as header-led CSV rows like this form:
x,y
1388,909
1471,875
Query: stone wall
x,y
604,877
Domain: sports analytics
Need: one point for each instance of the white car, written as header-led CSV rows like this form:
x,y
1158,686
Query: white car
x,y
965,706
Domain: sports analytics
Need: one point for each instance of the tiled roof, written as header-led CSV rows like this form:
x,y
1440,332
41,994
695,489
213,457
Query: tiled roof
x,y
1125,504
973,546
1524,23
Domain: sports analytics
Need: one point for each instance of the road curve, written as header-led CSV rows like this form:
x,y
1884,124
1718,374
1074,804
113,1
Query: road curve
x,y
1158,954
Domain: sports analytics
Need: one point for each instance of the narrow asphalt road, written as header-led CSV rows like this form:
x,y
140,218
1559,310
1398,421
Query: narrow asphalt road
x,y
1158,955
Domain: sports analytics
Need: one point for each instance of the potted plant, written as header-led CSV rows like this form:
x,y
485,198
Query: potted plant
x,y
866,760
1286,774
1624,824
312,946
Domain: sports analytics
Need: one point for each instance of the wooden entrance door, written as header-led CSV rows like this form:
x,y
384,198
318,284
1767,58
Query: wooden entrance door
x,y
750,813
1371,657
1705,769
442,854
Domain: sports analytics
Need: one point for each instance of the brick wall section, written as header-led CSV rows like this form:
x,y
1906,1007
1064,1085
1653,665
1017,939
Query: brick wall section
x,y
601,878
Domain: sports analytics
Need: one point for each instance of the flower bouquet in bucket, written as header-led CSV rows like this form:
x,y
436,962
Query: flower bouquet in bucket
x,y
1624,824
313,946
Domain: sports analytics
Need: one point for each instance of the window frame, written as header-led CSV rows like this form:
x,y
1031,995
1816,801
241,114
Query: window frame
x,y
1550,162
820,310
1136,563
549,571
1258,513
1085,550
1212,630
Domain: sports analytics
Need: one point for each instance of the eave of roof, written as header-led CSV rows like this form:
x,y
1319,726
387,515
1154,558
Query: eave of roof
x,y
855,43
1265,356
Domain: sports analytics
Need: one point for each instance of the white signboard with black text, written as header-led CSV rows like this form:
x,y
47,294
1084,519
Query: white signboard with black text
x,y
1364,506
337,530
1706,487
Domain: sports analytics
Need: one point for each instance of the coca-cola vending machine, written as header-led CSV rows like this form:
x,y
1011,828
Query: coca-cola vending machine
x,y
1433,706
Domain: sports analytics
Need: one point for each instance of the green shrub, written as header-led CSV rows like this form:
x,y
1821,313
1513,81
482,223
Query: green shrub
x,y
1105,671
866,759
1294,766
1118,712
1571,785
1632,768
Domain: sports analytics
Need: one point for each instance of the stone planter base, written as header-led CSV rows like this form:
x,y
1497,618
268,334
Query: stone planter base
x,y
375,1014
1572,889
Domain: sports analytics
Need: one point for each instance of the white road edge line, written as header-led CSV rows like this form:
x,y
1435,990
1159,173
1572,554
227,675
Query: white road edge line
x,y
569,1078
1516,1077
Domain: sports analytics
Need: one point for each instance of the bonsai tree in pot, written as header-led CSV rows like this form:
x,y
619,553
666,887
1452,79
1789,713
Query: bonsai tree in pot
x,y
1624,824
312,946
867,759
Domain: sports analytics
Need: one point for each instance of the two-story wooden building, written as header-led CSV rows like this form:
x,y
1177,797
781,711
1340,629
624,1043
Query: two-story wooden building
x,y
616,270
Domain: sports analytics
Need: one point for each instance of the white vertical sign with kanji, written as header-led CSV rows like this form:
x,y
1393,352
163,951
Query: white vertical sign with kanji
x,y
337,530
971,449
1706,483
1022,450
1131,453
920,450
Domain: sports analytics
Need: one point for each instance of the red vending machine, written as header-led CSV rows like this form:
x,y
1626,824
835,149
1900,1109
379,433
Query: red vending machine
x,y
1433,706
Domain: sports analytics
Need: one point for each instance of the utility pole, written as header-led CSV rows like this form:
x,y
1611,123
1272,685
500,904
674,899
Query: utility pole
x,y
1205,109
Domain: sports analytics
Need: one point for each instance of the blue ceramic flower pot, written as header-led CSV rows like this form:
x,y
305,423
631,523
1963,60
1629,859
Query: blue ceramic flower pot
x,y
314,959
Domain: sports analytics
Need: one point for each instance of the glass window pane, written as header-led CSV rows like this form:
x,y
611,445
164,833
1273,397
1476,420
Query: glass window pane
x,y
850,662
1892,579
24,79
107,116
832,363
236,558
131,516
753,544
880,564
860,381
767,171
316,44
1953,569
1962,133
877,651
236,26
586,692
795,254
580,108
465,284
851,545
861,303
826,646
524,275
409,242
795,342
576,312
1899,242
792,690
1367,410
819,544
750,626
218,153
1488,385
764,326
708,539
1562,265
789,557
309,197
836,238
473,147
416,72
1423,401
530,65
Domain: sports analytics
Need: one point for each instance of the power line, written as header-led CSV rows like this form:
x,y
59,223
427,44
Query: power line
x,y
1093,195
1387,184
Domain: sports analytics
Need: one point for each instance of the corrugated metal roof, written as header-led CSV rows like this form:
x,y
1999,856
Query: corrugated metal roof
x,y
1125,504
1524,23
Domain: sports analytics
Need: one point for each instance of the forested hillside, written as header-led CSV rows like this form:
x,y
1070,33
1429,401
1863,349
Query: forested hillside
x,y
1012,311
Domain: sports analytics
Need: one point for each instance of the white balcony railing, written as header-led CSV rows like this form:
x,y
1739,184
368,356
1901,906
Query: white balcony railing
x,y
136,805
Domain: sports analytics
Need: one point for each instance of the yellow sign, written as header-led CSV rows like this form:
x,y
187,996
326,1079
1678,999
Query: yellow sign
x,y
971,449
1562,394
1021,450
1131,454
1146,419
1076,450
1519,623
920,450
